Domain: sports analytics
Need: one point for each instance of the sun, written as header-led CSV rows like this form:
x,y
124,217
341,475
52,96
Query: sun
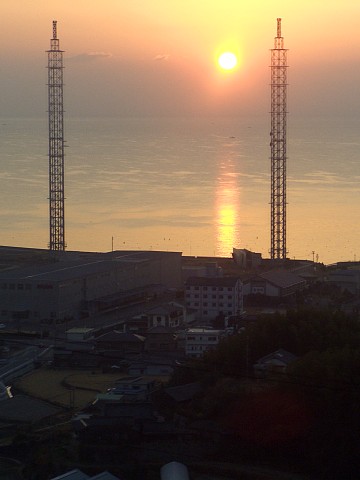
x,y
227,60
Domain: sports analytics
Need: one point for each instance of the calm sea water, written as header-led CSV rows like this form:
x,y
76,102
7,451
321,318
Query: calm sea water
x,y
200,186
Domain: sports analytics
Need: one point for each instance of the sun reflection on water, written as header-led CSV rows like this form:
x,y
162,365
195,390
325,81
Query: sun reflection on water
x,y
227,208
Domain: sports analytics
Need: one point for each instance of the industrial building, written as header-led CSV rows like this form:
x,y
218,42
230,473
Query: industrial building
x,y
75,285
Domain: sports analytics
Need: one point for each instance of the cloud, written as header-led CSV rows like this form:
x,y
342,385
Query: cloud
x,y
89,57
164,57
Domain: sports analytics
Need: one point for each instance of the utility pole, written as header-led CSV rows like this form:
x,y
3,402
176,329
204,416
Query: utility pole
x,y
56,144
278,146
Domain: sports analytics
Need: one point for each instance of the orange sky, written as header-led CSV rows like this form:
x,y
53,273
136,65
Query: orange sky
x,y
150,57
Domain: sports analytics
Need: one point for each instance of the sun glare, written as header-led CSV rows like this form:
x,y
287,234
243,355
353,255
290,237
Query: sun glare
x,y
227,60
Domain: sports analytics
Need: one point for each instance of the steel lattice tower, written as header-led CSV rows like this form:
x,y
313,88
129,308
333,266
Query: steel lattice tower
x,y
56,144
278,146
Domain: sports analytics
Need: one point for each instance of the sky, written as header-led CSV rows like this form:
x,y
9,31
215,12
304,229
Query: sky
x,y
158,57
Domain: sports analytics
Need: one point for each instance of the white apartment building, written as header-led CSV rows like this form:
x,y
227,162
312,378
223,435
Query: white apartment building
x,y
200,340
213,296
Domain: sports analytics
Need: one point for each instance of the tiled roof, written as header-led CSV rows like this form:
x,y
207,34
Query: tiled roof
x,y
120,337
282,278
182,393
282,355
75,474
104,476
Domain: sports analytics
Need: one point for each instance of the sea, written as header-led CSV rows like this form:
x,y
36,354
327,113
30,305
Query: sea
x,y
200,186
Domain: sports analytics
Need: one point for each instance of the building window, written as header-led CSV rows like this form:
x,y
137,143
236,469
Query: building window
x,y
28,286
4,286
212,339
205,312
20,286
12,286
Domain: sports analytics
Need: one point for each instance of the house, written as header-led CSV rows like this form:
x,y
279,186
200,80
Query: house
x,y
275,362
138,324
275,283
123,343
137,388
171,315
160,339
111,403
200,340
214,296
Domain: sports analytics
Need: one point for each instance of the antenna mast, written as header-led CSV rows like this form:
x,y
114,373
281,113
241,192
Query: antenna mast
x,y
278,146
56,144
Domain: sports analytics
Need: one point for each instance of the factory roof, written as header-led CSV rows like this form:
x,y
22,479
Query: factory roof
x,y
72,267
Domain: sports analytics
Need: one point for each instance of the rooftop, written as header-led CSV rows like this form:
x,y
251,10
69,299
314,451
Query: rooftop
x,y
70,265
212,281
